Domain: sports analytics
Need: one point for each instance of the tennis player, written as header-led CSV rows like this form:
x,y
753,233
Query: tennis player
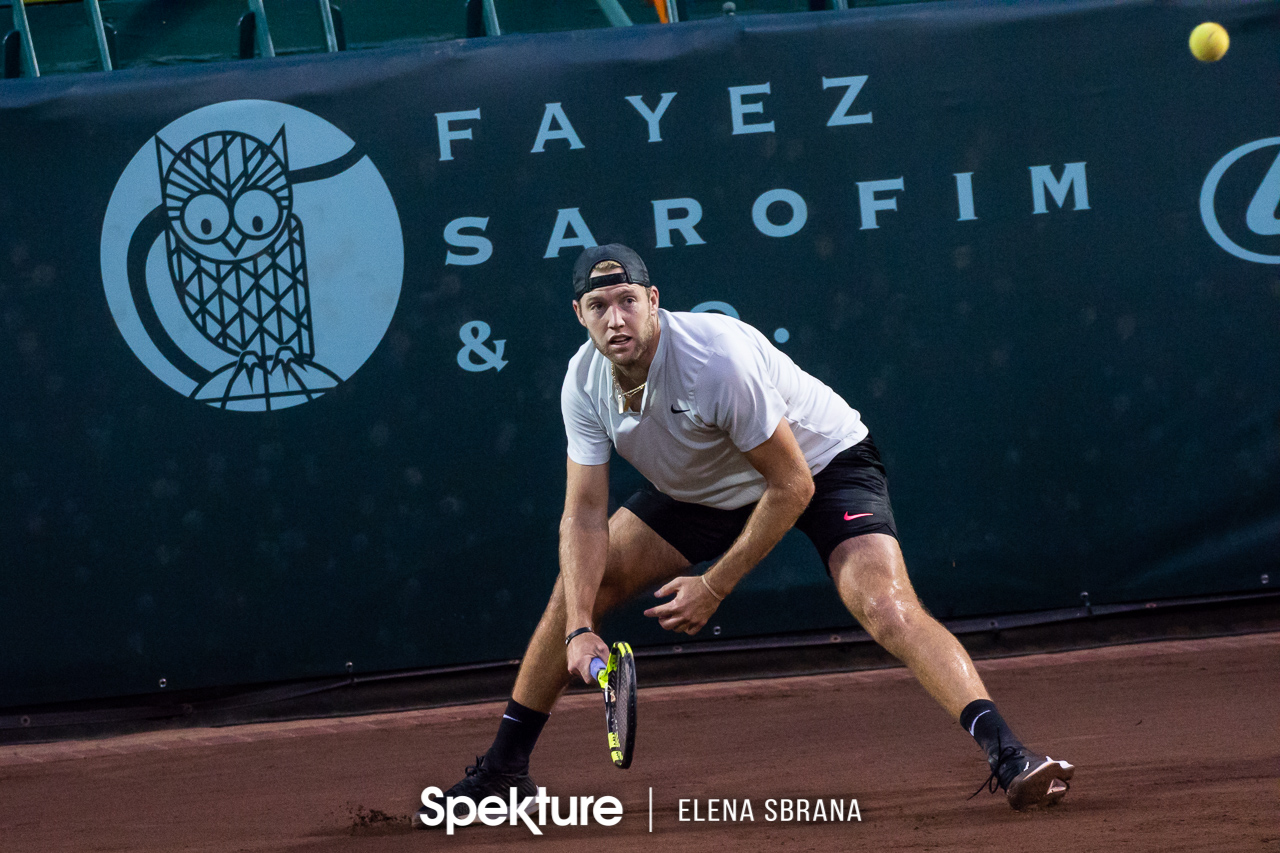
x,y
738,445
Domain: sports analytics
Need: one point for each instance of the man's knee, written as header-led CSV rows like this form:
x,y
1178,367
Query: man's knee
x,y
624,575
613,592
890,619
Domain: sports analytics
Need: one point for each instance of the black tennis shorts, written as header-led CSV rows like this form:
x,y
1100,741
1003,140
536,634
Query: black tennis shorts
x,y
850,498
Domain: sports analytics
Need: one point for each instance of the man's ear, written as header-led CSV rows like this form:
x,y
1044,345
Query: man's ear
x,y
577,310
653,297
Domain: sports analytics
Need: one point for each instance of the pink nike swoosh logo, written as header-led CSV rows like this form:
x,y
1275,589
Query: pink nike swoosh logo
x,y
848,517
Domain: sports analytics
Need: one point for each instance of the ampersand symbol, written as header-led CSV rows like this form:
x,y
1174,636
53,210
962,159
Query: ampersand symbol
x,y
473,335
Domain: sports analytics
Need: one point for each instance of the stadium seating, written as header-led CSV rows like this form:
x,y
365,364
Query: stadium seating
x,y
62,37
376,23
65,39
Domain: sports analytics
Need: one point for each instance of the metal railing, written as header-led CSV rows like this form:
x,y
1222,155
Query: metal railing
x,y
20,57
255,32
21,36
255,35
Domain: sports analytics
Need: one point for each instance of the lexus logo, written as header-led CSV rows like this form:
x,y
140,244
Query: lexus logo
x,y
1260,219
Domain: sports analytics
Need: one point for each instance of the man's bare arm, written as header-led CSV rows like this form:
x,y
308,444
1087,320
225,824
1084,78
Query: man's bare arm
x,y
788,488
584,549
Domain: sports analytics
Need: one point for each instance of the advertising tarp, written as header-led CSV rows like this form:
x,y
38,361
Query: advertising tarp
x,y
283,340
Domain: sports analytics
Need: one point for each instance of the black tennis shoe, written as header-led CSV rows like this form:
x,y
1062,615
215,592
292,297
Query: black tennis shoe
x,y
483,781
1028,779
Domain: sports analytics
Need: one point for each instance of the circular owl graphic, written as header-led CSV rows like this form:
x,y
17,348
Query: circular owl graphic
x,y
206,266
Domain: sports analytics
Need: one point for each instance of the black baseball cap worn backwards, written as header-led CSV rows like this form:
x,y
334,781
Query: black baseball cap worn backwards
x,y
633,269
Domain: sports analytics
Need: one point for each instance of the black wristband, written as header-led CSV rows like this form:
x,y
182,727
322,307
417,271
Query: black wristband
x,y
573,634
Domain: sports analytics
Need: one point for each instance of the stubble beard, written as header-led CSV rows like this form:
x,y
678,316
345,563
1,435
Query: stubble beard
x,y
643,340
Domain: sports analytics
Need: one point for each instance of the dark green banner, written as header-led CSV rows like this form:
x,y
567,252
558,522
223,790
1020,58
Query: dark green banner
x,y
283,340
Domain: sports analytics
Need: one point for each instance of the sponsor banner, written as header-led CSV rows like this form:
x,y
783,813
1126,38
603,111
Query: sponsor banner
x,y
284,339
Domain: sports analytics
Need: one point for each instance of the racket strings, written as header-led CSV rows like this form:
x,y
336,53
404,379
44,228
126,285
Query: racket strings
x,y
625,706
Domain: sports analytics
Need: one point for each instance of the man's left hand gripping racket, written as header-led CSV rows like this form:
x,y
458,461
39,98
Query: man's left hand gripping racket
x,y
617,679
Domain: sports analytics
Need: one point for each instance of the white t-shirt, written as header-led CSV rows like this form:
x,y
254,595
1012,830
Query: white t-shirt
x,y
716,388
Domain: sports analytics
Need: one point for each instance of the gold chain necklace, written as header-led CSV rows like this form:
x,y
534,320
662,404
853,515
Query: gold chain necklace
x,y
624,397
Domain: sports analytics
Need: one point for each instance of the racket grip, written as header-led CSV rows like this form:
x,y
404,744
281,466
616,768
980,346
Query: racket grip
x,y
597,666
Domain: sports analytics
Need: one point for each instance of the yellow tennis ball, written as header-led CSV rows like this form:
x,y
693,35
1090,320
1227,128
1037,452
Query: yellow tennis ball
x,y
1209,42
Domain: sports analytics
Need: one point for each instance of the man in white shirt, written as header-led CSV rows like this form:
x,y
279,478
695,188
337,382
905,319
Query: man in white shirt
x,y
739,445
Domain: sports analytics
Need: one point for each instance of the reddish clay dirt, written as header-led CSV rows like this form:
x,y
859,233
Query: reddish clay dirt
x,y
1177,746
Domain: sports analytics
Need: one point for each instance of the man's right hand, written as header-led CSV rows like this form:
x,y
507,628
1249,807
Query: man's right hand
x,y
582,649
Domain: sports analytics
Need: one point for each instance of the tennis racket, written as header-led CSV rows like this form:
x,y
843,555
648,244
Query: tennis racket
x,y
617,679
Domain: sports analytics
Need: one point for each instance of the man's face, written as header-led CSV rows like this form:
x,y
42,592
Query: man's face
x,y
622,320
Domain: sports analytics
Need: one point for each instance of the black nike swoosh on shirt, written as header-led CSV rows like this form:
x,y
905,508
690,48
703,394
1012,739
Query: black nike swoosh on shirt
x,y
676,411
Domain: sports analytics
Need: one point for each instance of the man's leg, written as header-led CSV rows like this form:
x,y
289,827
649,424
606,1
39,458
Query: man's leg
x,y
871,577
638,558
872,580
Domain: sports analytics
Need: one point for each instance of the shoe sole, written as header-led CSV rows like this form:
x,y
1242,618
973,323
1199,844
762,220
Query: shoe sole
x,y
1042,785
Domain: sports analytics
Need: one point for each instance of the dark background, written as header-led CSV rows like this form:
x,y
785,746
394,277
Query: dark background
x,y
1082,400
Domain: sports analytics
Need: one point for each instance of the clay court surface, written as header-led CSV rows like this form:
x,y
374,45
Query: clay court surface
x,y
1177,746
